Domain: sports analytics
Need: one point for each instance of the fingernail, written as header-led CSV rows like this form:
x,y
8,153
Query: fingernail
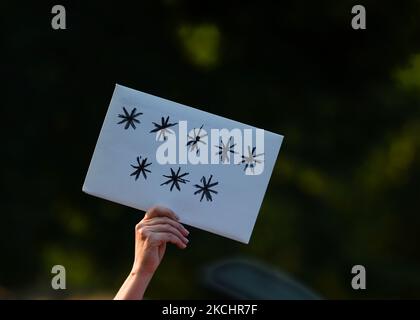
x,y
177,217
187,231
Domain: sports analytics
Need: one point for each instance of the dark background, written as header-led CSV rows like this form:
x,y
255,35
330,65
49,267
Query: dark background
x,y
345,189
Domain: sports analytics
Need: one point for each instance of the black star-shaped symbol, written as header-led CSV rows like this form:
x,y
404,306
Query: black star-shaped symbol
x,y
225,149
141,168
205,188
129,118
175,178
163,127
251,160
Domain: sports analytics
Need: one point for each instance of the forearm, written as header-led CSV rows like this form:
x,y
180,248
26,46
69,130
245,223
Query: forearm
x,y
134,286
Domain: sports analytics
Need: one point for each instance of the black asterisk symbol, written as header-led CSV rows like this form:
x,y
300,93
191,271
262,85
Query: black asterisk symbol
x,y
225,149
129,118
205,188
176,178
141,168
251,159
163,127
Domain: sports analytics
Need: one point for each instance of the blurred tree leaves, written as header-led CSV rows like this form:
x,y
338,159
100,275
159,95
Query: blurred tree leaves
x,y
409,76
